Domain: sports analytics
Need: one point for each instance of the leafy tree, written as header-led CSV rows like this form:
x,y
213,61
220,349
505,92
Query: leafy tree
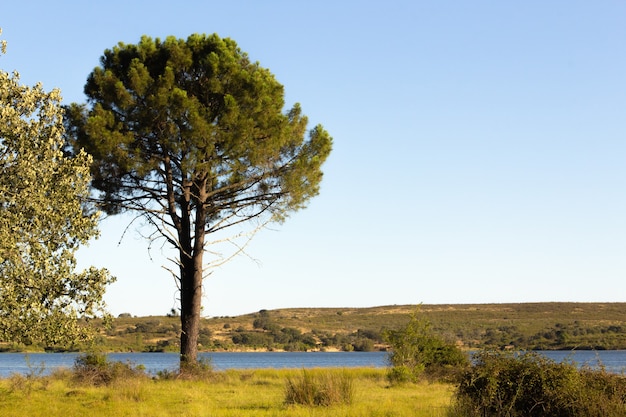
x,y
191,135
42,222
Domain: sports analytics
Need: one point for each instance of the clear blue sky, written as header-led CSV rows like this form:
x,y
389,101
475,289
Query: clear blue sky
x,y
480,147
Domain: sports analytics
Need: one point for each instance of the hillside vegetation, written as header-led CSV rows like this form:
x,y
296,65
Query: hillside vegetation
x,y
527,326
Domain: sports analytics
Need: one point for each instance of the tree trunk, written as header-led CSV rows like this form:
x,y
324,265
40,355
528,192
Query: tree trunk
x,y
191,275
190,308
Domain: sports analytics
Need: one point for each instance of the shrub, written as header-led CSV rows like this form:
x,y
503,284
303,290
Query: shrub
x,y
530,385
319,389
416,349
200,370
255,339
32,380
96,369
401,374
363,345
261,323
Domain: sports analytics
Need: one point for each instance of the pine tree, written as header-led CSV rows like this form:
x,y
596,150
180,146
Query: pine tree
x,y
191,135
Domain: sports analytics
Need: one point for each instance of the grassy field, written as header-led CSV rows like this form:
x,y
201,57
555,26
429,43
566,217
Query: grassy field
x,y
229,393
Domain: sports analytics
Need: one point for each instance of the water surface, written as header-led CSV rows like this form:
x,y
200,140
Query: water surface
x,y
611,360
154,362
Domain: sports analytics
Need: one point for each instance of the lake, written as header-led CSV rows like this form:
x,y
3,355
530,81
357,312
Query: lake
x,y
612,360
154,362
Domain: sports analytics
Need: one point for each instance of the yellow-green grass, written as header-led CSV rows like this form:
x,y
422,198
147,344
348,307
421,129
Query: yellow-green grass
x,y
228,393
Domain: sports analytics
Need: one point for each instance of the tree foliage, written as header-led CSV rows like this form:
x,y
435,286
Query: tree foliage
x,y
191,135
42,222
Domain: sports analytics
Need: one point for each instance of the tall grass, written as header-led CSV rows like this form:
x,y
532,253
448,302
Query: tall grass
x,y
322,389
230,393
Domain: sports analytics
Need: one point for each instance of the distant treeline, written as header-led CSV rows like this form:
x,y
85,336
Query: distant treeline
x,y
526,326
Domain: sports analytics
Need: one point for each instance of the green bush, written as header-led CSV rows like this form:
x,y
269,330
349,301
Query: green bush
x,y
363,345
530,385
255,339
401,374
417,350
96,369
319,389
